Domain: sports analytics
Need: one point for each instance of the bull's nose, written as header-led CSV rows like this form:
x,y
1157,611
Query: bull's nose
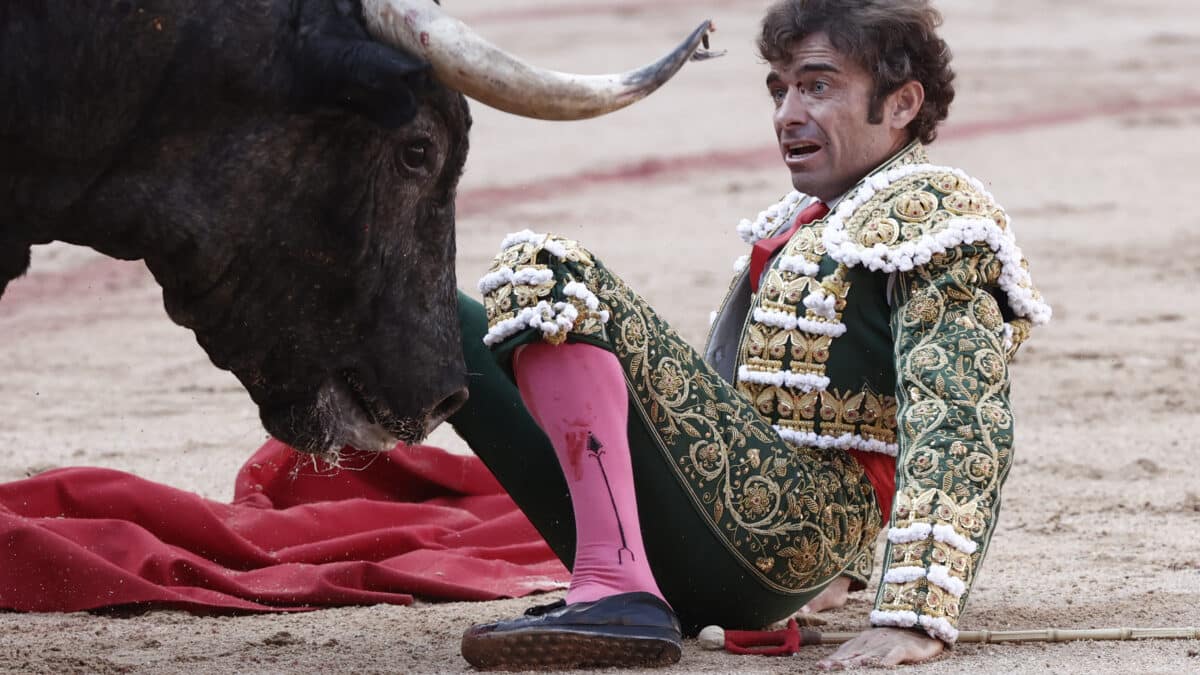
x,y
442,411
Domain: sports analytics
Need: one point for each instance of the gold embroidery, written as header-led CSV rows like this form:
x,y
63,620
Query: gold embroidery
x,y
784,294
529,295
1000,218
919,195
1020,333
861,569
766,346
828,412
505,301
916,205
807,242
989,316
498,304
968,203
881,230
945,183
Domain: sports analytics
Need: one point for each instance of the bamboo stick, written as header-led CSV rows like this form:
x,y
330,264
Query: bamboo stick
x,y
713,637
1051,635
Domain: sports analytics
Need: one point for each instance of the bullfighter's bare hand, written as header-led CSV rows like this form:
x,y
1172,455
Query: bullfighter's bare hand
x,y
883,647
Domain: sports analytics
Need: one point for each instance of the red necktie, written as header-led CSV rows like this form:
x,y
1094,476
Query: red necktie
x,y
765,248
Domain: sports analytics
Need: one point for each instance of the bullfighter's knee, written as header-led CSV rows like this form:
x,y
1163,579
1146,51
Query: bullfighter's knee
x,y
543,283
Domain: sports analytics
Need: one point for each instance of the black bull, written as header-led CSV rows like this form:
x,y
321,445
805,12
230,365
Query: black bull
x,y
288,181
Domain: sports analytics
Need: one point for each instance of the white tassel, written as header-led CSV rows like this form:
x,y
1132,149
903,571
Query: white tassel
x,y
939,575
822,304
787,321
907,535
522,237
769,221
798,265
939,628
903,575
741,264
897,619
783,378
947,535
843,442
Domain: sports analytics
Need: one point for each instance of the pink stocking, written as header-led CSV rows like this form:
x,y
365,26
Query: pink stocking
x,y
576,393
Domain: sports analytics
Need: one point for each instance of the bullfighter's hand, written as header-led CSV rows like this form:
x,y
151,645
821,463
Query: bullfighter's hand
x,y
884,647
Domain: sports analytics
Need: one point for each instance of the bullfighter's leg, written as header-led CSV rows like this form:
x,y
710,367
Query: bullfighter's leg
x,y
576,392
499,430
740,529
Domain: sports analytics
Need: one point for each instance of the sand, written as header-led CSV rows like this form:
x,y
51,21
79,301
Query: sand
x,y
1083,116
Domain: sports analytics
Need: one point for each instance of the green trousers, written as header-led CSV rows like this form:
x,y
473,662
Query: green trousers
x,y
740,528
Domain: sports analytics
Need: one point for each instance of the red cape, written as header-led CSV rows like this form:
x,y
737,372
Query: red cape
x,y
298,535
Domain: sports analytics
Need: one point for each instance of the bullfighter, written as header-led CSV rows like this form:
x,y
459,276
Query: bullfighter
x,y
856,374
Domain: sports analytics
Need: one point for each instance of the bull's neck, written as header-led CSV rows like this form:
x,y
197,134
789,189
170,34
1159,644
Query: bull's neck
x,y
14,260
124,233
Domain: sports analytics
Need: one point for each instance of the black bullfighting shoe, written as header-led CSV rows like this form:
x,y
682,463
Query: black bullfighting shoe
x,y
627,630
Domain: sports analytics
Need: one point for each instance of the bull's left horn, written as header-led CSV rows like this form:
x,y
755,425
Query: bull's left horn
x,y
469,64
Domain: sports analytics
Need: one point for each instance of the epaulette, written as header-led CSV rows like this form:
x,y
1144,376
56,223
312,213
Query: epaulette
x,y
901,218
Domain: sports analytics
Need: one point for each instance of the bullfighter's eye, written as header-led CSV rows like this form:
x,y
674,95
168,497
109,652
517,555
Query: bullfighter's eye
x,y
415,156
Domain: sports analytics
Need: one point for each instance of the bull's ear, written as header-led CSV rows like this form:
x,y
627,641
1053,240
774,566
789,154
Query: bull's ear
x,y
369,78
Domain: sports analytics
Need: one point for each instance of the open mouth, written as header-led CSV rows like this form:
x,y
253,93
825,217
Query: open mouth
x,y
800,150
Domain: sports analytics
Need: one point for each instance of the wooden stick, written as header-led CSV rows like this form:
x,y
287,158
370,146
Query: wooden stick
x,y
1051,635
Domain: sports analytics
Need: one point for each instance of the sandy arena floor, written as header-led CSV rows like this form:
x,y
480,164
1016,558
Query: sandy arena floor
x,y
1082,115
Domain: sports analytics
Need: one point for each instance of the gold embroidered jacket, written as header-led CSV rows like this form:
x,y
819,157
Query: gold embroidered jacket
x,y
888,327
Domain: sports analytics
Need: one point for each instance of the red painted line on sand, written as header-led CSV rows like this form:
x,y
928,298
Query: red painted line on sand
x,y
1060,117
106,275
484,200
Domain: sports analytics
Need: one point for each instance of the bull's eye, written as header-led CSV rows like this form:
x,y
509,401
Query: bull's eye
x,y
414,156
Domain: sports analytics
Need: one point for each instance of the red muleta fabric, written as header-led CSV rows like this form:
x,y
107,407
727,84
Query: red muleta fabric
x,y
416,521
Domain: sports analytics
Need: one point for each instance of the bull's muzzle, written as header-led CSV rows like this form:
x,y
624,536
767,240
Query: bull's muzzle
x,y
346,422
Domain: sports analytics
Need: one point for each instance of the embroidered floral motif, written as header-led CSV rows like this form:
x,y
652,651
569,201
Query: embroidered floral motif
x,y
861,569
916,205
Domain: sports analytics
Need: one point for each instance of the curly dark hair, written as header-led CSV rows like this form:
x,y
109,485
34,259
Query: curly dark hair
x,y
894,40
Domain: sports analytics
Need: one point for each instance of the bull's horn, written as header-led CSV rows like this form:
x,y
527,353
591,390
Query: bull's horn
x,y
469,64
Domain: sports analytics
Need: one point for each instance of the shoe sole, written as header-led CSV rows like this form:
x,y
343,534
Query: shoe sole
x,y
561,650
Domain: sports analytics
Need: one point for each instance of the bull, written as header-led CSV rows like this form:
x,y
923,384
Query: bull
x,y
287,171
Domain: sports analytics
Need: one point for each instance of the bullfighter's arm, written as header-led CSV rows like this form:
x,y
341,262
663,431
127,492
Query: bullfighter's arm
x,y
955,435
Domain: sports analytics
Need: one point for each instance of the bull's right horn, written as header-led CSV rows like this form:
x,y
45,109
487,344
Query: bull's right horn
x,y
466,62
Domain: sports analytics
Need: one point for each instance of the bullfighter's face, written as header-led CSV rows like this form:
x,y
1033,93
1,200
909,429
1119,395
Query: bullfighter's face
x,y
822,103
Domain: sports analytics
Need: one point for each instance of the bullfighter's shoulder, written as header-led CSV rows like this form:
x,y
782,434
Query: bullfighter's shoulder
x,y
899,219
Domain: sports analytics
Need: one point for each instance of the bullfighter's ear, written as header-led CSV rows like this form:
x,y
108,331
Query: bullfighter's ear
x,y
372,79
